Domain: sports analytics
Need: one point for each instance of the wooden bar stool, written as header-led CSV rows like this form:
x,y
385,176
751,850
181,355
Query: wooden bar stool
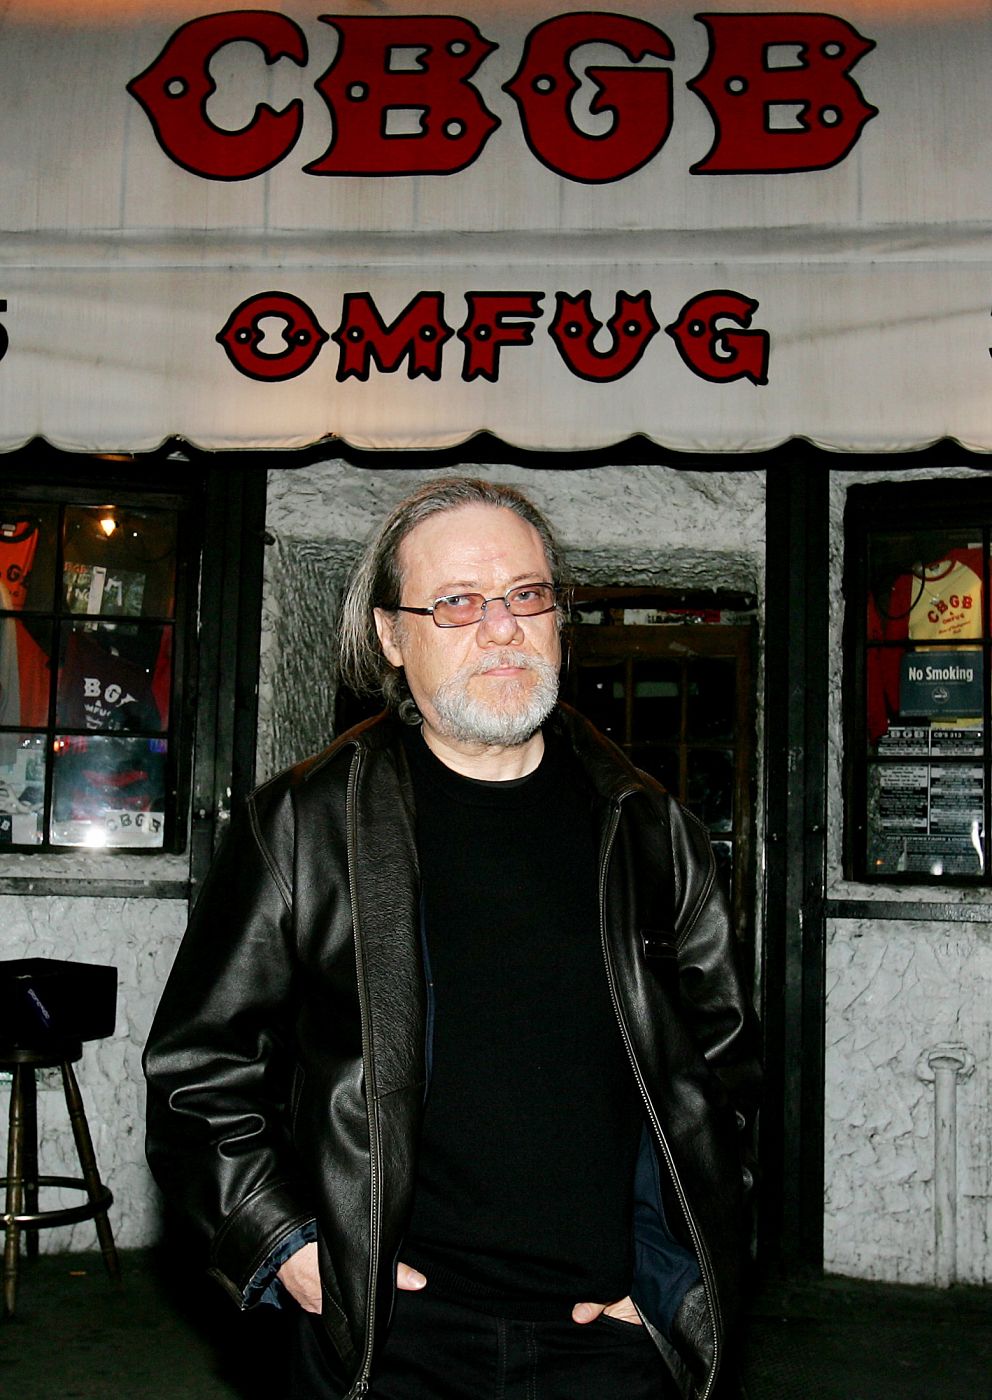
x,y
31,1041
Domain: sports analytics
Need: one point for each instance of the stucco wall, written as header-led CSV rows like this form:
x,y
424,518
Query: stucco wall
x,y
895,990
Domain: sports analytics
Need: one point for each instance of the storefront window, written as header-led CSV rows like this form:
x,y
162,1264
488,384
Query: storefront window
x,y
918,737
88,619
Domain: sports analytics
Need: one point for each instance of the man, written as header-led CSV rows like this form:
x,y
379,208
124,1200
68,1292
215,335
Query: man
x,y
455,1060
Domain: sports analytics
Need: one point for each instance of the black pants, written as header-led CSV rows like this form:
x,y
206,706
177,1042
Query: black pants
x,y
438,1350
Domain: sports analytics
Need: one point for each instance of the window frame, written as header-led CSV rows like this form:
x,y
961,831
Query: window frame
x,y
90,487
924,507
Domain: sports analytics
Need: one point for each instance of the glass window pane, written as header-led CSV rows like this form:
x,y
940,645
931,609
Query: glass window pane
x,y
27,556
114,676
922,741
925,586
108,792
657,707
25,671
926,818
712,699
661,762
918,686
710,787
941,685
882,691
22,788
119,562
600,697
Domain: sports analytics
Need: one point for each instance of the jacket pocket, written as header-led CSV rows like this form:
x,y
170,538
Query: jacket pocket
x,y
660,953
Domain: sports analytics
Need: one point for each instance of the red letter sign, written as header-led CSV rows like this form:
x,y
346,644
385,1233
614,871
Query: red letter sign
x,y
485,330
716,354
419,331
639,101
742,87
632,326
365,84
302,336
175,89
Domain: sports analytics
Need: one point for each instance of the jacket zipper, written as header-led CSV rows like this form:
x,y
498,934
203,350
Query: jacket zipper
x,y
642,1089
361,1386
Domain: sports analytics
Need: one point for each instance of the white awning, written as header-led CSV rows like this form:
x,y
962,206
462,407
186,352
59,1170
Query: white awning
x,y
405,223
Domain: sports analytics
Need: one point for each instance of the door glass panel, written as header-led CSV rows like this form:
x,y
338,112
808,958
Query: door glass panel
x,y
712,703
657,700
601,698
710,787
724,853
661,762
676,716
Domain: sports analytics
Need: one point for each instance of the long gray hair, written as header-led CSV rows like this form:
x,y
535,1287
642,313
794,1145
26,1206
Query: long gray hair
x,y
377,581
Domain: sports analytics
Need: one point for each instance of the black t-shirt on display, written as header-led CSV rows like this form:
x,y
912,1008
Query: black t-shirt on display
x,y
524,1189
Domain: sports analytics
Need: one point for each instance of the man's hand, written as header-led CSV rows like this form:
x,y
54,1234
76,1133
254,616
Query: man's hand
x,y
624,1310
409,1279
300,1276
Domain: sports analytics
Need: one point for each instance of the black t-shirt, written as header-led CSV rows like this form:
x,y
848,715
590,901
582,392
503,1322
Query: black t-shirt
x,y
524,1188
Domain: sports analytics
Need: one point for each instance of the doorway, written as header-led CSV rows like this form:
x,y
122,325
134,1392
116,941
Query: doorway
x,y
670,679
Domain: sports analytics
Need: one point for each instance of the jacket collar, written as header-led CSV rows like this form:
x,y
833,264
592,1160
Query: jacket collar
x,y
609,770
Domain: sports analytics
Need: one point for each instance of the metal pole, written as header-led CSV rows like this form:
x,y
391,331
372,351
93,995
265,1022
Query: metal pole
x,y
945,1065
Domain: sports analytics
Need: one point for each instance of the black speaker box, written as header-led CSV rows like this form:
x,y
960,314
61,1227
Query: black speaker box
x,y
45,1000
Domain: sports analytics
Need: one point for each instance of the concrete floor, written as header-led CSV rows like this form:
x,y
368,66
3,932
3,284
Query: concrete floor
x,y
162,1335
841,1339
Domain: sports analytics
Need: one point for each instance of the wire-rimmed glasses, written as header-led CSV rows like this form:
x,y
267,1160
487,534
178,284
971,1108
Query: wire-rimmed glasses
x,y
462,609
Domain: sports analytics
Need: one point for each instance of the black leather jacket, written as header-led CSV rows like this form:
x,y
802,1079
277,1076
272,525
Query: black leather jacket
x,y
286,1065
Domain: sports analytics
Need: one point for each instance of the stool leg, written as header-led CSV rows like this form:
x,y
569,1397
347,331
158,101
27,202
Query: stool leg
x,y
14,1204
87,1160
30,1161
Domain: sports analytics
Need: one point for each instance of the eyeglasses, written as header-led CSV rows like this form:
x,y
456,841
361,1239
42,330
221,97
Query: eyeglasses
x,y
462,609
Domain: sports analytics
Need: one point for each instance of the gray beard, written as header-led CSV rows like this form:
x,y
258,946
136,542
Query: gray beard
x,y
468,720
